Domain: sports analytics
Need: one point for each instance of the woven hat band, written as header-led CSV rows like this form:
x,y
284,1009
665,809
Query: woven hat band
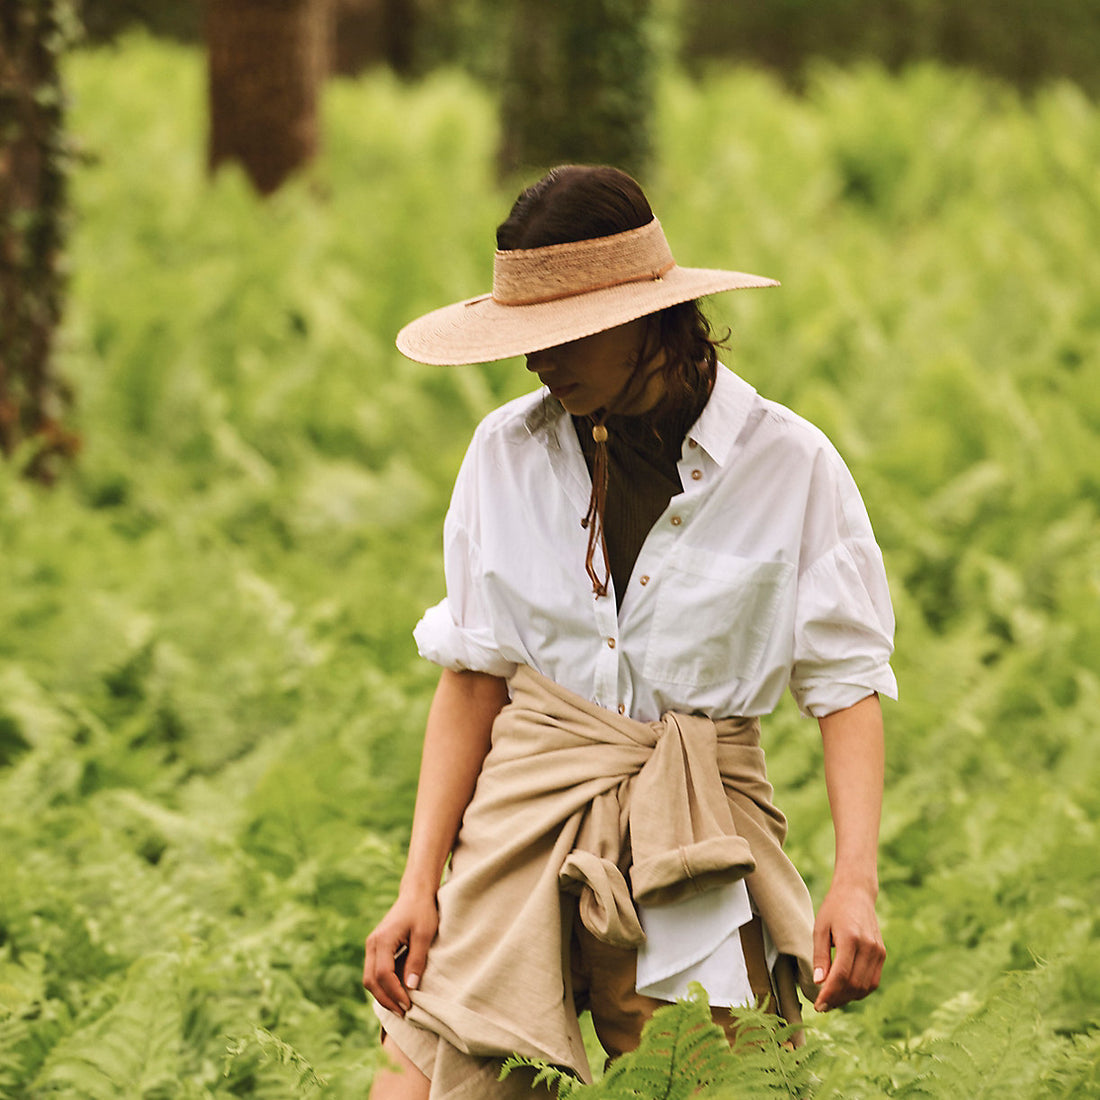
x,y
527,276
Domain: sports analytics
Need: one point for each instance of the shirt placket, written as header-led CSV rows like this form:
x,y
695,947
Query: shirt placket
x,y
695,470
605,683
567,462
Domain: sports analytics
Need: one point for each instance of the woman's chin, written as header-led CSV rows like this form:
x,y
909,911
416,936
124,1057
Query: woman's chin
x,y
574,401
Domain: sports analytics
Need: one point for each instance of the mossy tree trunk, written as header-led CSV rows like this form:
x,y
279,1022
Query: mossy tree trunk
x,y
34,159
578,85
267,62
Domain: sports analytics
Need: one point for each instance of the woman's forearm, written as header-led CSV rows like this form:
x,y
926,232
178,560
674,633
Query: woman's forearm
x,y
848,947
854,765
456,740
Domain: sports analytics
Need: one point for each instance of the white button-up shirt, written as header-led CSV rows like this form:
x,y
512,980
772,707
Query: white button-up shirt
x,y
762,574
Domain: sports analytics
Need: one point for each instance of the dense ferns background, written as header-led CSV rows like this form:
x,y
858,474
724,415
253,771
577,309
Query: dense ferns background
x,y
210,704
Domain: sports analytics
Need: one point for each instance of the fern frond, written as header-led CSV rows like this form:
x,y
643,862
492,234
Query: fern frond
x,y
683,1053
273,1049
133,1049
14,1033
995,1047
545,1074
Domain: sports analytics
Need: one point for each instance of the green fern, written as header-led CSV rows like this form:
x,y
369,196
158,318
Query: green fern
x,y
999,1046
273,1049
684,1053
133,1049
544,1074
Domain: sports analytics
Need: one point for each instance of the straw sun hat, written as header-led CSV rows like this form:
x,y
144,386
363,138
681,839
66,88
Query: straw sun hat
x,y
543,297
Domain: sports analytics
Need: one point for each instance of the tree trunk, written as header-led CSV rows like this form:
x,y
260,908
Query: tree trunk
x,y
267,61
374,32
34,160
578,85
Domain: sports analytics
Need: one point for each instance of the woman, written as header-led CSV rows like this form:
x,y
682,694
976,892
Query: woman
x,y
640,558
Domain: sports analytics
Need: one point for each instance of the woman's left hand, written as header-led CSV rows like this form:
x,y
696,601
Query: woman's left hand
x,y
848,948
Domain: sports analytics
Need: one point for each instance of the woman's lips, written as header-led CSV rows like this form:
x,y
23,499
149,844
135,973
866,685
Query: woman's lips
x,y
559,391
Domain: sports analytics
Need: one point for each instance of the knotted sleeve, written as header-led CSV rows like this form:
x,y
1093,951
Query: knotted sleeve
x,y
683,836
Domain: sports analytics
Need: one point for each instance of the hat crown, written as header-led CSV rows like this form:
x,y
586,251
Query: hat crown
x,y
527,276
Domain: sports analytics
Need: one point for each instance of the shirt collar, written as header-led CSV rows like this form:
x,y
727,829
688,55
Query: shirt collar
x,y
547,421
723,416
716,429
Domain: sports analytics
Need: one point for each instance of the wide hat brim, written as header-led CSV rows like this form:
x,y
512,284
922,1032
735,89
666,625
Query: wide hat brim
x,y
480,330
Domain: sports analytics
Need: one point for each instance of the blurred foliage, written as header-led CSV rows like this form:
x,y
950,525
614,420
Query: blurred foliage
x,y
1019,41
210,703
105,20
578,86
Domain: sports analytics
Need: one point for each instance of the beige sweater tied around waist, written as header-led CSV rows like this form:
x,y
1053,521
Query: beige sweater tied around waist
x,y
572,801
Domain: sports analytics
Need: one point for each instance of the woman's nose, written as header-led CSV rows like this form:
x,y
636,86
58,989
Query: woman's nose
x,y
543,359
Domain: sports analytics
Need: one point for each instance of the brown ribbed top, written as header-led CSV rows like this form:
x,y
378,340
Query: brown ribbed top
x,y
643,452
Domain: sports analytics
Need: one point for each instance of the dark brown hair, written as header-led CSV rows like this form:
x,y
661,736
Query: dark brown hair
x,y
578,202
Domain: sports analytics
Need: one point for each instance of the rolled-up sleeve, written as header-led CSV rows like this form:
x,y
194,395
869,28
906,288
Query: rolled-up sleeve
x,y
457,633
444,642
844,630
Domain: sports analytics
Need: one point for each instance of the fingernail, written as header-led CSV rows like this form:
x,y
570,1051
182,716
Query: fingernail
x,y
819,974
412,981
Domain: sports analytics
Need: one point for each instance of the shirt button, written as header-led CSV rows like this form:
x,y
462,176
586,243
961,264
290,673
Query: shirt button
x,y
622,708
676,521
696,474
644,579
692,444
610,643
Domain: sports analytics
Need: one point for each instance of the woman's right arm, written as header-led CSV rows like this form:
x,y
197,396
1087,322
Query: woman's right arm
x,y
456,741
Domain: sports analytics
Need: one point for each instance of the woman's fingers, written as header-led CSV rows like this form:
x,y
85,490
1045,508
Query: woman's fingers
x,y
823,950
848,948
416,958
853,973
867,970
380,973
397,951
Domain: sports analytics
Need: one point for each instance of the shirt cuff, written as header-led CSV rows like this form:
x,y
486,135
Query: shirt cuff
x,y
442,641
817,700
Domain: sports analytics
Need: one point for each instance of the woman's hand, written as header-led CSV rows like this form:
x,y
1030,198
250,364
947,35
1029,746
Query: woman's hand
x,y
412,923
847,925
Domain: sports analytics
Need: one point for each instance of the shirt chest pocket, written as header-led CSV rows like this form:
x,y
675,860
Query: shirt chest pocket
x,y
713,617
